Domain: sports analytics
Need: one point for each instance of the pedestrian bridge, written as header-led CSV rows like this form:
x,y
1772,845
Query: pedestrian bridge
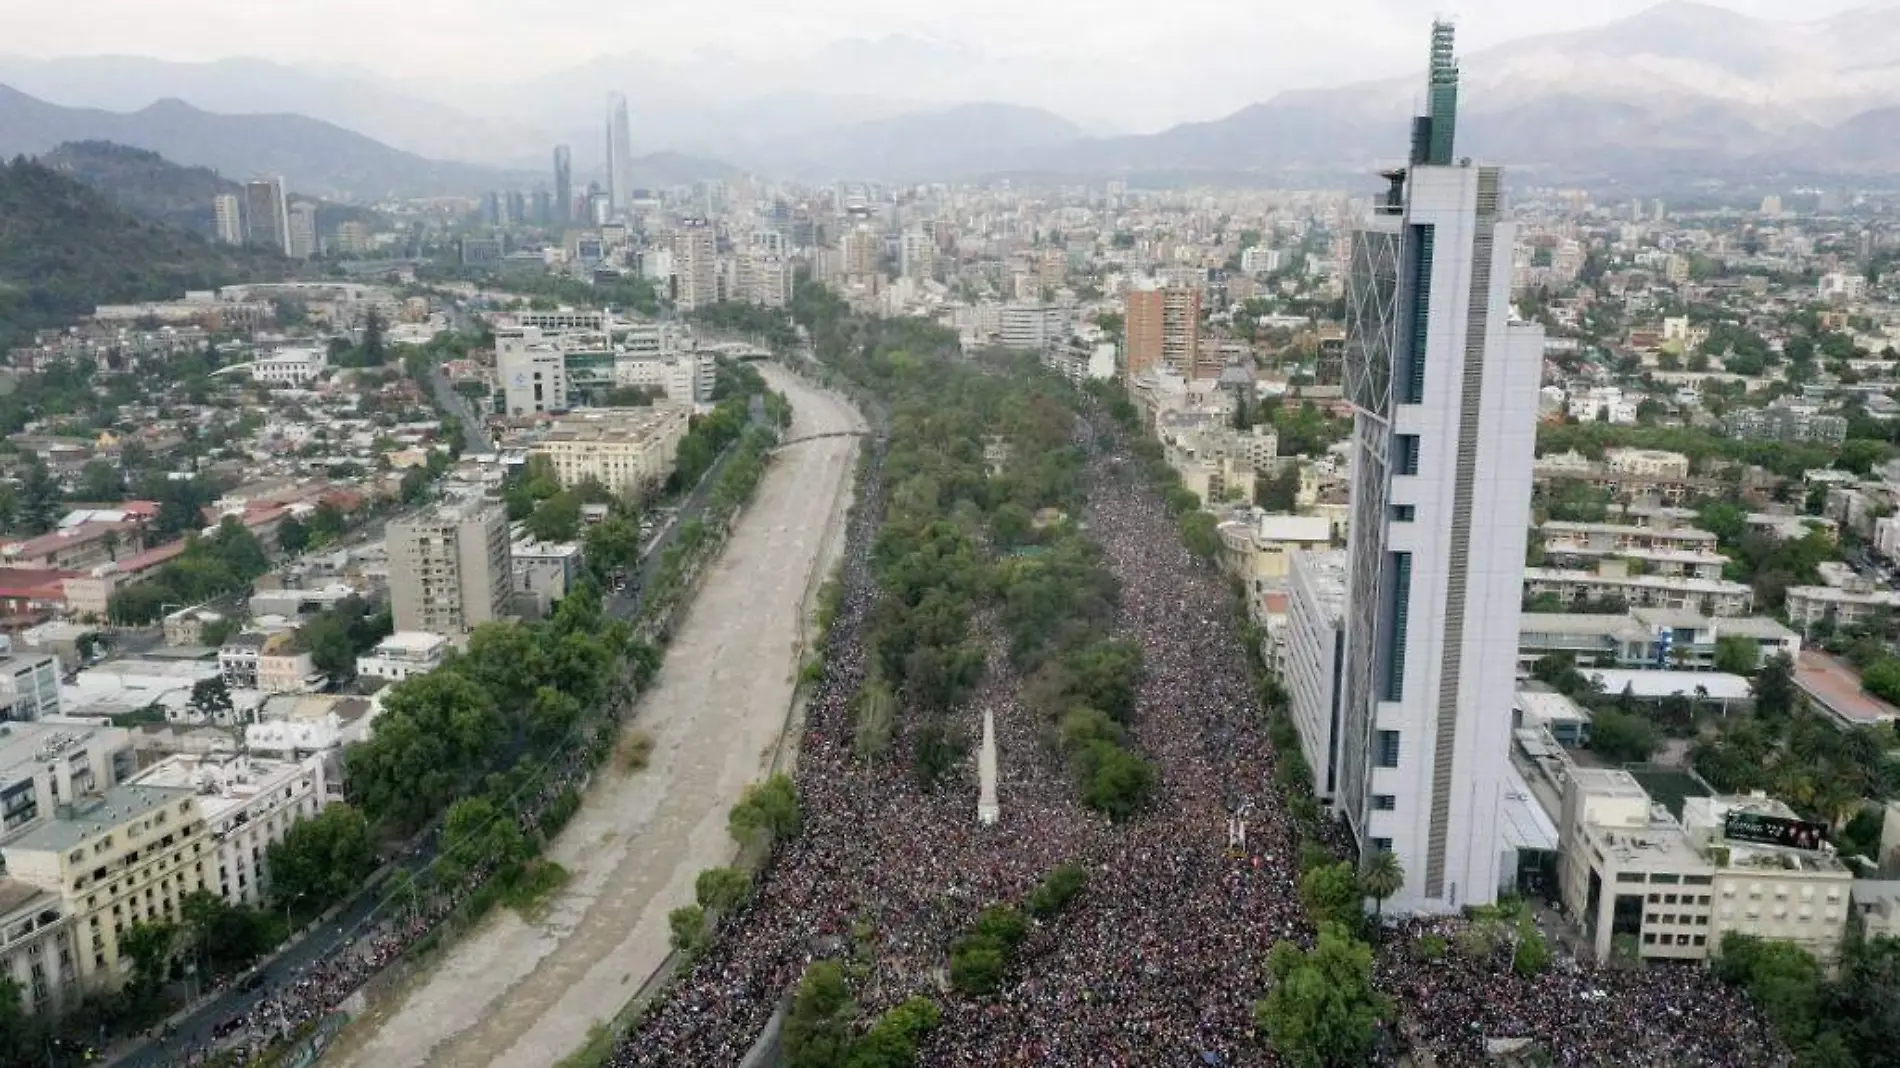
x,y
801,439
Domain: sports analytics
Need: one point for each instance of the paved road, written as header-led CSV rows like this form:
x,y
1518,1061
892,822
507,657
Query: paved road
x,y
524,993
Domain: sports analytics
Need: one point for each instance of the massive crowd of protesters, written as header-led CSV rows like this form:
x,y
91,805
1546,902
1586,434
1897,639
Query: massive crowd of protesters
x,y
1162,958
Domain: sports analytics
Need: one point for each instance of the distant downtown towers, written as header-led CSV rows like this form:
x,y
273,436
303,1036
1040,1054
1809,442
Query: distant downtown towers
x,y
619,153
563,184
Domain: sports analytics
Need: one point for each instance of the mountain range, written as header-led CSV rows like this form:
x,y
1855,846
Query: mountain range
x,y
314,157
1683,88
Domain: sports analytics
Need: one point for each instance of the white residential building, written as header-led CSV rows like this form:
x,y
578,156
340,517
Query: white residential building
x,y
248,804
532,370
403,655
1313,652
29,683
1443,440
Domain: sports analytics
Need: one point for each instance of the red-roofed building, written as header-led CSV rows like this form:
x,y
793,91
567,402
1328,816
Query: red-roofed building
x,y
87,595
30,595
76,548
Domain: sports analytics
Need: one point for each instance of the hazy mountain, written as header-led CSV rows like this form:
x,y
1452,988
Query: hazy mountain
x,y
153,187
314,157
919,146
1682,84
355,101
66,248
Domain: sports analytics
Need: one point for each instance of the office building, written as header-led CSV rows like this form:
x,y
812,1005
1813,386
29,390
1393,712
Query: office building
x,y
917,254
1311,658
563,184
695,265
267,215
43,766
1162,330
448,568
1032,326
36,947
115,860
1444,391
619,154
248,805
303,232
683,377
29,683
628,450
229,213
1671,888
533,372
763,278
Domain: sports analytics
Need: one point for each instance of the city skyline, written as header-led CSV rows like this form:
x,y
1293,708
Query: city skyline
x,y
758,52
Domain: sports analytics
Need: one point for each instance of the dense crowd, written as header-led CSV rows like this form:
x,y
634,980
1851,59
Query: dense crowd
x,y
1161,960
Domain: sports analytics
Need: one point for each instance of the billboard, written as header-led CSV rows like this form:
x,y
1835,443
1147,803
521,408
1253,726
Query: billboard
x,y
1741,826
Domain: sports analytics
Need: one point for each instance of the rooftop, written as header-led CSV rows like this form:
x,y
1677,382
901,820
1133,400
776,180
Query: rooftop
x,y
25,747
1717,685
612,424
95,815
15,894
1833,684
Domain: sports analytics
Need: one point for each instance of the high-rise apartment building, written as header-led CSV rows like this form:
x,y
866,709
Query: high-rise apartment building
x,y
563,184
862,248
1162,329
230,215
303,232
449,569
1444,389
619,153
695,265
267,214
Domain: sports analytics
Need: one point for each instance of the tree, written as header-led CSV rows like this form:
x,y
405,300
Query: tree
x,y
978,966
892,1041
150,945
722,890
1322,1011
818,1024
1063,884
1331,894
769,808
1200,535
39,499
322,860
101,482
374,353
1531,956
1774,686
875,720
1281,492
292,536
1622,737
557,519
1737,654
1383,876
210,698
687,929
1116,782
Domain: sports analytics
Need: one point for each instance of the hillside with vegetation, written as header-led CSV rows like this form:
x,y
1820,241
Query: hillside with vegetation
x,y
65,248
149,185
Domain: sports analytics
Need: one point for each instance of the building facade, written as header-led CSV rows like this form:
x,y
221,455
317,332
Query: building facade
x,y
267,215
1444,390
230,218
448,569
1161,329
1312,657
248,805
628,450
114,860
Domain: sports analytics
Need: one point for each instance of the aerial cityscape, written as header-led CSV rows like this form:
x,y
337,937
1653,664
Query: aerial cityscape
x,y
882,539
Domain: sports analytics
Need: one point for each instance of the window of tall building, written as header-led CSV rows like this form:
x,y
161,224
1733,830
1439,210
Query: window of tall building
x,y
1386,749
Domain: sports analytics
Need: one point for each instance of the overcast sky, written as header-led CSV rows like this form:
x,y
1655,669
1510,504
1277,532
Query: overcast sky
x,y
1146,61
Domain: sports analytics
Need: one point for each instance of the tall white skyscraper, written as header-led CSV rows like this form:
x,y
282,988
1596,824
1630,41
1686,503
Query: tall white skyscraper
x,y
563,184
619,153
230,215
1444,387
